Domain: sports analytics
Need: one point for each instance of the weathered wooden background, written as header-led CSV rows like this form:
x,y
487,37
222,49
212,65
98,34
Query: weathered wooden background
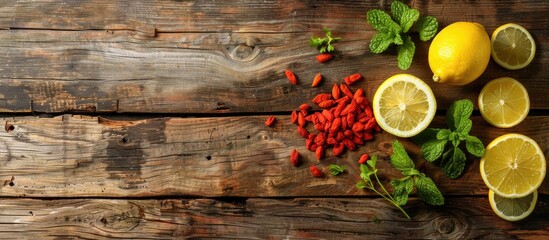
x,y
128,119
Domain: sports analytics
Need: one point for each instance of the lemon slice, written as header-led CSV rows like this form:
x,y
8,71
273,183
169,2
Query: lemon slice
x,y
512,46
513,166
513,209
504,102
404,105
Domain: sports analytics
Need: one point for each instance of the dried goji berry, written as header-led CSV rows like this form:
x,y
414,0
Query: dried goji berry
x,y
338,149
302,131
291,76
350,119
319,152
326,103
316,172
358,93
358,127
363,158
349,144
358,140
269,122
336,93
294,117
301,120
294,157
351,108
329,116
324,57
319,127
321,97
320,117
335,125
367,136
316,80
303,108
352,78
345,90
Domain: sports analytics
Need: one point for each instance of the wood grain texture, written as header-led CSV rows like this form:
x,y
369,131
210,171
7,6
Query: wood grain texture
x,y
79,156
262,218
198,57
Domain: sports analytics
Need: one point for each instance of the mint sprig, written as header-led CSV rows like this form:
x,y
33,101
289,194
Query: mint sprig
x,y
425,187
445,144
324,44
395,29
336,169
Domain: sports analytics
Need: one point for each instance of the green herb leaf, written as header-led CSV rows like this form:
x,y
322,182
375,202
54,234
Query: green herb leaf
x,y
336,169
324,44
408,19
381,21
400,158
428,191
427,27
443,134
432,150
381,41
397,39
410,172
372,162
397,10
361,185
457,116
474,146
453,162
402,188
406,53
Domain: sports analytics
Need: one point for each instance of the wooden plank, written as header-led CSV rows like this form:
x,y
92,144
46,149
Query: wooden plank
x,y
263,218
210,64
247,16
80,156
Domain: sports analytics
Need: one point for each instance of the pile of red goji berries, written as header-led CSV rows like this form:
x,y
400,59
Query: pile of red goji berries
x,y
346,119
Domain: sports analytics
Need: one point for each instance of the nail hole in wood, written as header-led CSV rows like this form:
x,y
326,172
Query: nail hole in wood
x,y
9,128
208,157
248,137
11,184
124,140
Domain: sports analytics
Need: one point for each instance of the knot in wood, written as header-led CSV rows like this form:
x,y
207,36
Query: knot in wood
x,y
243,50
446,226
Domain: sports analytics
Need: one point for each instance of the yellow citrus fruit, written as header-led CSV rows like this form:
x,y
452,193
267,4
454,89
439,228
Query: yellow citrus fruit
x,y
513,209
512,46
504,102
404,105
513,165
459,53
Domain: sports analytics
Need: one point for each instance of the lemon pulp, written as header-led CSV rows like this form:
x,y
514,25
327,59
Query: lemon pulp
x,y
404,105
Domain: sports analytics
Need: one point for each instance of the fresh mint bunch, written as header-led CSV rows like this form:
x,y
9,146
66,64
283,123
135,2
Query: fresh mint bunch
x,y
437,143
425,187
395,29
324,44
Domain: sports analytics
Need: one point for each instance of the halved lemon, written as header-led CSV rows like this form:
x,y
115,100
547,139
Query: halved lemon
x,y
512,46
404,105
504,102
513,165
513,209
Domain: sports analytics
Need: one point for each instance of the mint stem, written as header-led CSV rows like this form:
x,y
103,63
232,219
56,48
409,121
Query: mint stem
x,y
390,198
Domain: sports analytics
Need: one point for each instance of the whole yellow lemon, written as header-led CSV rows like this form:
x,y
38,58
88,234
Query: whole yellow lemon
x,y
459,53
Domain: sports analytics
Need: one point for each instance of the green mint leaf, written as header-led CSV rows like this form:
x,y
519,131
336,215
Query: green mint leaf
x,y
455,138
443,134
336,169
453,162
474,146
402,188
397,39
409,17
330,48
427,27
324,44
410,172
360,185
427,191
372,162
400,158
397,10
426,135
457,116
381,21
406,53
432,150
381,41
